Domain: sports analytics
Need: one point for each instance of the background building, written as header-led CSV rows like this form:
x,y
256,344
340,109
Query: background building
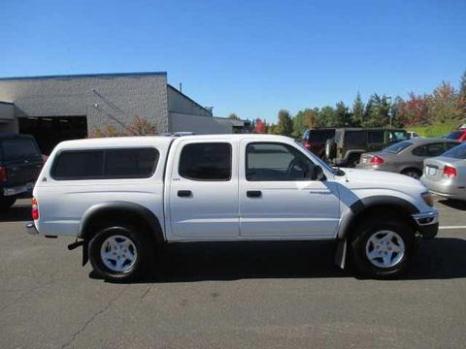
x,y
56,108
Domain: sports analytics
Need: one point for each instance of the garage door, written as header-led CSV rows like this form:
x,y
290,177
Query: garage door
x,y
49,131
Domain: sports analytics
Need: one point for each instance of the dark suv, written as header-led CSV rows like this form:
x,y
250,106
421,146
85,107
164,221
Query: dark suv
x,y
20,164
314,139
346,147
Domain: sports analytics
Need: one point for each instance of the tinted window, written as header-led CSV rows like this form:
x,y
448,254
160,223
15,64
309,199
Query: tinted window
x,y
454,135
429,150
396,136
355,138
78,165
206,161
375,136
105,164
319,136
276,162
397,147
458,152
130,163
19,148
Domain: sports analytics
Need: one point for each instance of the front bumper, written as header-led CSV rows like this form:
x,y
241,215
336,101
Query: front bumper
x,y
31,229
427,223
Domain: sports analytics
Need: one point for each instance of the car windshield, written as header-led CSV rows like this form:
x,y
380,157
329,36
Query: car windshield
x,y
397,147
453,135
458,152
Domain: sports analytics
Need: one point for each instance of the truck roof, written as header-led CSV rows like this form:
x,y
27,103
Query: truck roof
x,y
162,140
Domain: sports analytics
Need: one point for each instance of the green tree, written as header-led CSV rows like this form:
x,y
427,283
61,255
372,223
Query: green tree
x,y
358,111
377,113
327,117
462,95
443,104
342,115
285,124
233,116
303,120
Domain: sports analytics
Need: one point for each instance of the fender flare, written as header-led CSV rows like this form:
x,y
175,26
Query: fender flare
x,y
138,210
379,200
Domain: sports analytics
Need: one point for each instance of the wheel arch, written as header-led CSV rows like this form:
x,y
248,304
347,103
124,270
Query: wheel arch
x,y
125,212
374,205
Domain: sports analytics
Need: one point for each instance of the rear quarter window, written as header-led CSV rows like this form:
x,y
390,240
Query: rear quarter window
x,y
105,164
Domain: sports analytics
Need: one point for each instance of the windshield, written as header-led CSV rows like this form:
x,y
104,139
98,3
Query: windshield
x,y
319,161
458,152
397,147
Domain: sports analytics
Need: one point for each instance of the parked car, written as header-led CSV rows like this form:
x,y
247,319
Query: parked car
x,y
123,198
350,143
315,139
20,164
458,135
446,175
406,157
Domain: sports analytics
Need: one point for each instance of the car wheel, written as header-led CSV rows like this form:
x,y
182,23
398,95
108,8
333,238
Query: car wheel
x,y
6,203
412,172
382,250
119,253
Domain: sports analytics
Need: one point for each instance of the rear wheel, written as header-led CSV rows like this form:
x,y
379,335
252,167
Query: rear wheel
x,y
382,248
120,253
6,202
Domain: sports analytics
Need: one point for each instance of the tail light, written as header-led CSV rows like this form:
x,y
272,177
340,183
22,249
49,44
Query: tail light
x,y
376,160
449,171
307,144
3,174
35,209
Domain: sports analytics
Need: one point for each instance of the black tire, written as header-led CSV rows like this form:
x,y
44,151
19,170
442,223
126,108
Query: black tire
x,y
373,228
141,246
412,172
6,203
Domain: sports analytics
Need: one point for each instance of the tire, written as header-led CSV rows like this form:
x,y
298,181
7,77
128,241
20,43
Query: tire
x,y
412,172
128,253
382,247
6,203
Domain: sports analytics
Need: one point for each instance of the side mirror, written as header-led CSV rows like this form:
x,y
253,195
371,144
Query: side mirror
x,y
317,174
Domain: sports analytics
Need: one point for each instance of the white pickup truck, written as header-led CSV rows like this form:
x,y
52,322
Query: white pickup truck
x,y
124,198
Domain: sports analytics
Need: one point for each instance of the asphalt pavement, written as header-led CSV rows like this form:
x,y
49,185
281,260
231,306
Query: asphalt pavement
x,y
264,295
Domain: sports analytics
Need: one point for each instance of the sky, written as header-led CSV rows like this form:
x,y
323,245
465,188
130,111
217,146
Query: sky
x,y
251,58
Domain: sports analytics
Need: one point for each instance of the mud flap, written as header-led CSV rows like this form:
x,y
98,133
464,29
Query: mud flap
x,y
85,253
340,255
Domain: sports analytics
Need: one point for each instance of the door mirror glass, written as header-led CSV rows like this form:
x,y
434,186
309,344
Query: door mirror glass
x,y
316,173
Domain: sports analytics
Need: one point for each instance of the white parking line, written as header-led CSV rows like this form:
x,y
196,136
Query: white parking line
x,y
451,227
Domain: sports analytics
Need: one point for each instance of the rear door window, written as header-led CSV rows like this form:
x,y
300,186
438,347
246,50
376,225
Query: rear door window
x,y
356,138
206,161
429,150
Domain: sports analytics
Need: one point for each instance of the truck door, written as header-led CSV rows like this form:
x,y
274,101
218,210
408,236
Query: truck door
x,y
203,191
278,200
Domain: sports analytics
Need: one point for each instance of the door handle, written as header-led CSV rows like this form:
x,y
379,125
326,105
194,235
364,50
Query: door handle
x,y
185,193
253,193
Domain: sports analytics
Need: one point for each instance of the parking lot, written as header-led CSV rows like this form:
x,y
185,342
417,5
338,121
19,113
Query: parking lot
x,y
220,296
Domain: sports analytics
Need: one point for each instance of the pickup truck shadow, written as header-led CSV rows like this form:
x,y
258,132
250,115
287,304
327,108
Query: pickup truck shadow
x,y
16,214
441,258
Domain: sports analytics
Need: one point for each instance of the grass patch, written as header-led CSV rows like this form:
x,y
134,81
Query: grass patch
x,y
435,130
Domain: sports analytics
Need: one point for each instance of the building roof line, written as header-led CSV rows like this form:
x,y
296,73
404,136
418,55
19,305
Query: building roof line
x,y
189,98
78,76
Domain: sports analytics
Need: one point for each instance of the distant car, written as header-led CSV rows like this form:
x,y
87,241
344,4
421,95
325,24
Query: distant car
x,y
458,135
314,140
406,157
20,164
412,134
349,143
446,175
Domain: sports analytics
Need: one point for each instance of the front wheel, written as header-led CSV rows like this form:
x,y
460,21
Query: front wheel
x,y
382,249
119,253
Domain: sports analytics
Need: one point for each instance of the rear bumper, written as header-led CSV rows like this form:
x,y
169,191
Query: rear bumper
x,y
427,224
19,190
30,228
445,188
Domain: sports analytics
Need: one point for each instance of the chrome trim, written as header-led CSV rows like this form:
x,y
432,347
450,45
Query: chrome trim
x,y
426,218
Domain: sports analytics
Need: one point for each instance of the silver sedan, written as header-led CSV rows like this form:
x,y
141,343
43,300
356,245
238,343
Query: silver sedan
x,y
406,157
446,175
